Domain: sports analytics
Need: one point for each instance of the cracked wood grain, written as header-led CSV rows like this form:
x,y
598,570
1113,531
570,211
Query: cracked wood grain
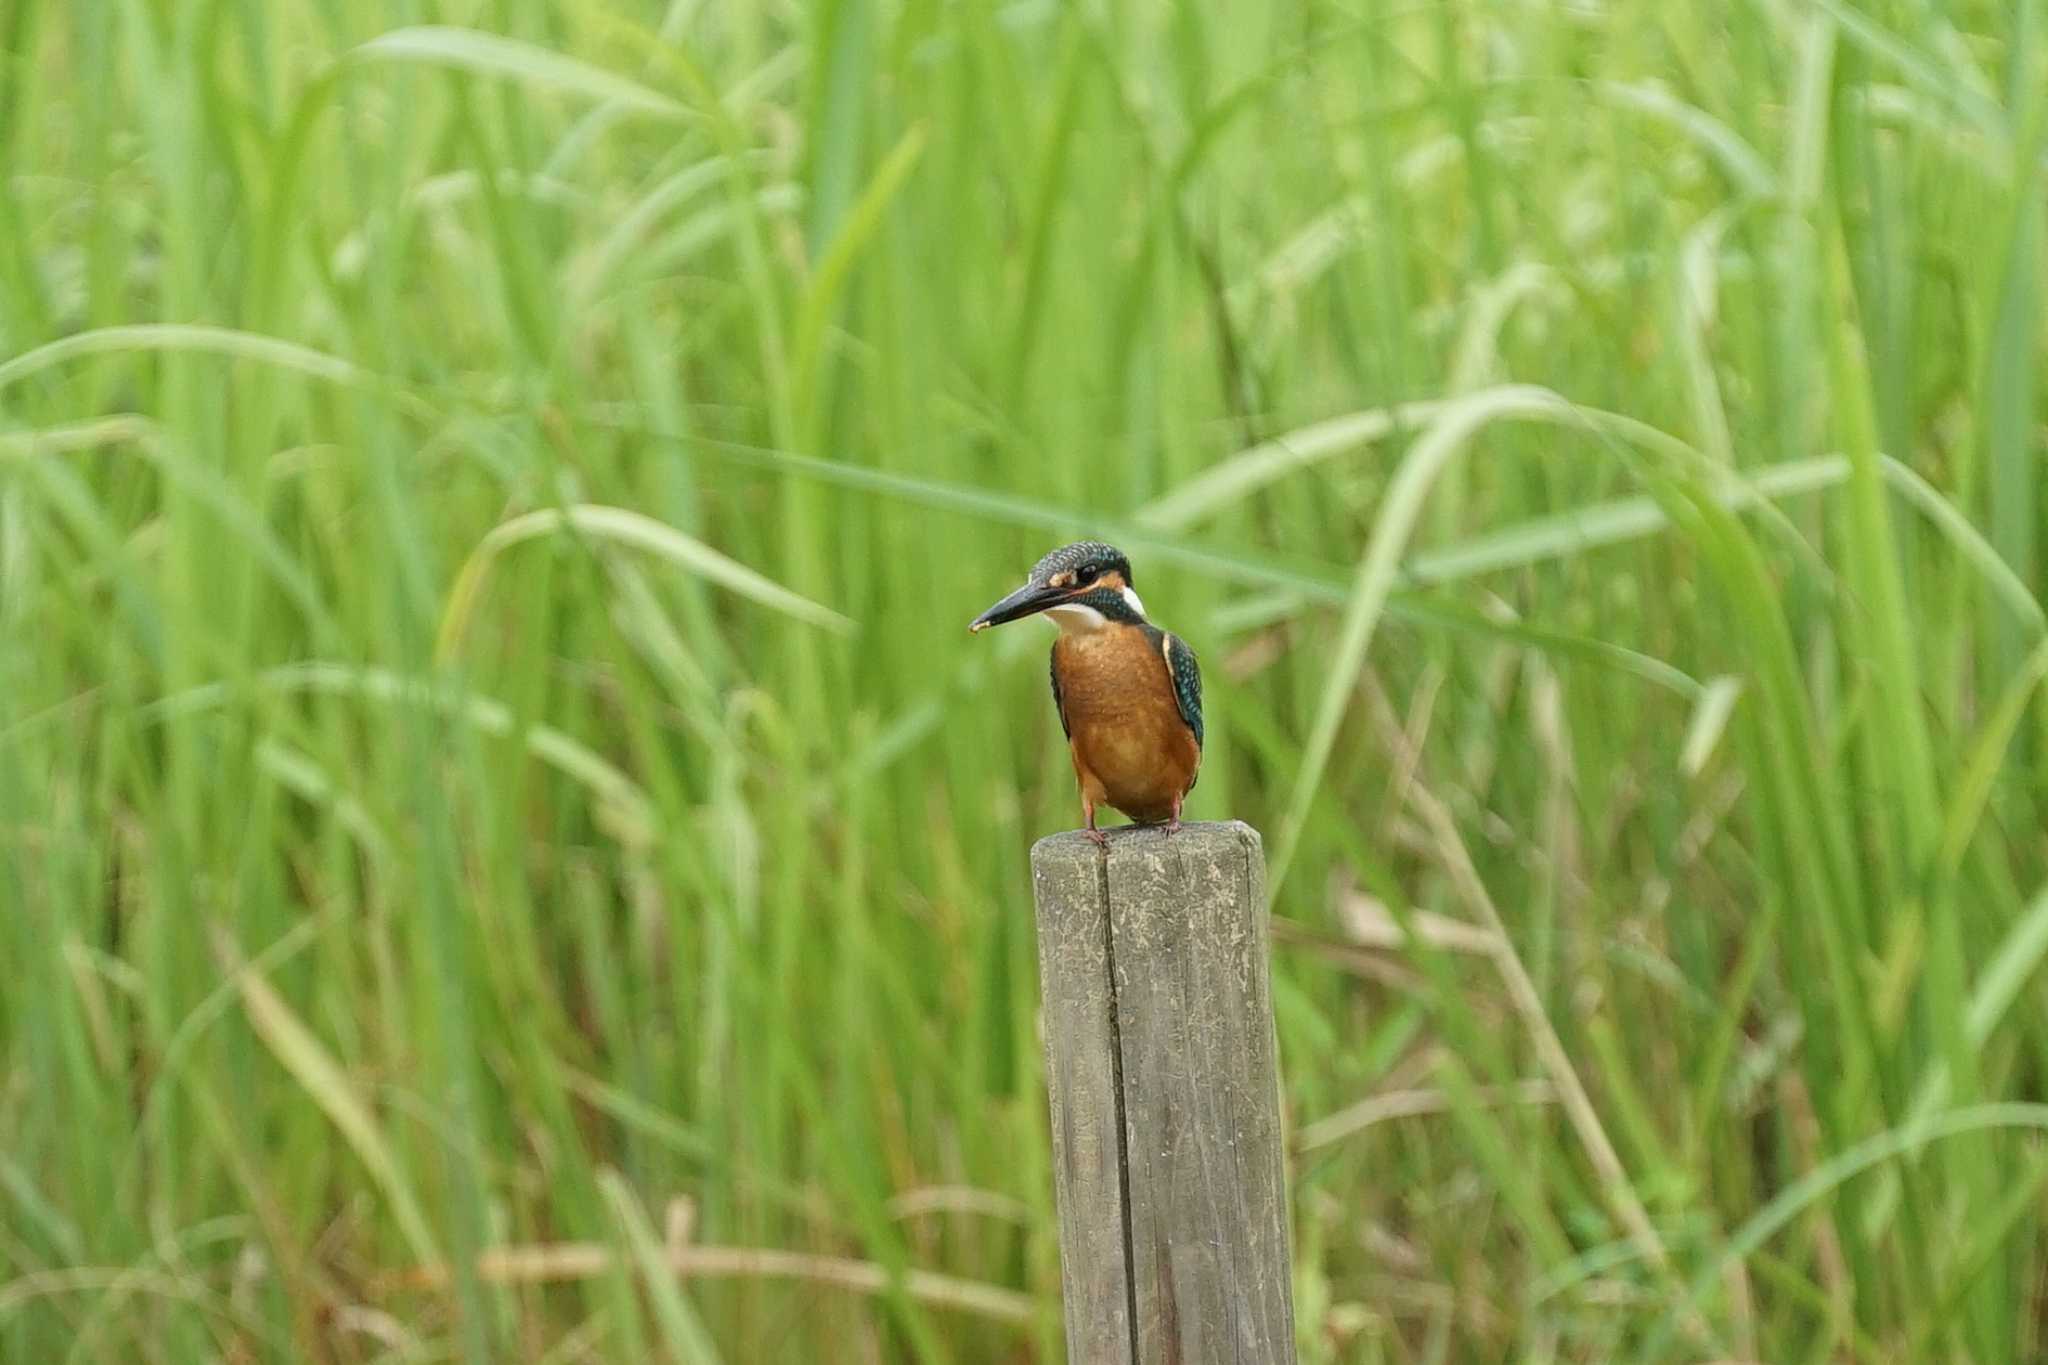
x,y
1163,1083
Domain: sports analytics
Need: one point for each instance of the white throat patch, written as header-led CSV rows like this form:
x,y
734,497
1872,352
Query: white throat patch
x,y
1074,619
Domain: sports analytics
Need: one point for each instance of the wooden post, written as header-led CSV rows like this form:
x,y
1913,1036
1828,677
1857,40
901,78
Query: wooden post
x,y
1165,1097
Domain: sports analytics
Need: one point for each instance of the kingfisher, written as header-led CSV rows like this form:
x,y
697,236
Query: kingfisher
x,y
1129,694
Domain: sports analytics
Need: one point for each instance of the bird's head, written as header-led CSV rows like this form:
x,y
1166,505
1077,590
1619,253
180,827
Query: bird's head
x,y
1082,587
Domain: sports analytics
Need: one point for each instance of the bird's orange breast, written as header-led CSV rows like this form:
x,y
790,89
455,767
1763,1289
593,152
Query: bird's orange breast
x,y
1131,748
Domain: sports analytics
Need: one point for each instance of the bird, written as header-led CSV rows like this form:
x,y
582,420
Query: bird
x,y
1129,695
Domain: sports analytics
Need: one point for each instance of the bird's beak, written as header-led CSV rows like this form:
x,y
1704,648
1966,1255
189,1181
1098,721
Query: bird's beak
x,y
1028,600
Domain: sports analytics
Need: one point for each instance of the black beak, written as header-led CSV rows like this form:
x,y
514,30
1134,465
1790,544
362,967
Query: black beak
x,y
1028,600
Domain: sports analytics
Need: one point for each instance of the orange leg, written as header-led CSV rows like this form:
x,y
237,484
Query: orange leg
x,y
1173,825
1085,780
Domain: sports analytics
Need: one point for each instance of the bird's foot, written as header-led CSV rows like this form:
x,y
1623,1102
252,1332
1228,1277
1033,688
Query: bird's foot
x,y
1173,827
1097,837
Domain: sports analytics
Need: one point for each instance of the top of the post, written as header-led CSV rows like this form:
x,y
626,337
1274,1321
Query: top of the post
x,y
1216,841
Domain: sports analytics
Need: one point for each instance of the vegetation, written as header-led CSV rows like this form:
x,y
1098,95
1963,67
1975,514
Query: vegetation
x,y
498,803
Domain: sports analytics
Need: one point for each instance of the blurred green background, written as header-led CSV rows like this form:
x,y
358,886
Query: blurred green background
x,y
497,801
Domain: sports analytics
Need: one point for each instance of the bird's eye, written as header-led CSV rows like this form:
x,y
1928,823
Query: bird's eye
x,y
1087,573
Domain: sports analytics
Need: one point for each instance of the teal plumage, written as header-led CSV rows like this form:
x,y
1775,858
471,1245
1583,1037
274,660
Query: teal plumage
x,y
1052,661
1185,673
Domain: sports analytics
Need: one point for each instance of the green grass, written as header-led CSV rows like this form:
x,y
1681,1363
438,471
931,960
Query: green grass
x,y
498,803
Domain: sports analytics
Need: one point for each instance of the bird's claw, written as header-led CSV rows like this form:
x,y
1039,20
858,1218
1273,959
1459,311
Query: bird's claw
x,y
1097,838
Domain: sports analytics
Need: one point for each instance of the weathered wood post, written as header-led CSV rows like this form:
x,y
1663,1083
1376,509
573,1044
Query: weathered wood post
x,y
1165,1097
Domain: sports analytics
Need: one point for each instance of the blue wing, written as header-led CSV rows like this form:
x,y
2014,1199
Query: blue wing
x,y
1186,676
1059,703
